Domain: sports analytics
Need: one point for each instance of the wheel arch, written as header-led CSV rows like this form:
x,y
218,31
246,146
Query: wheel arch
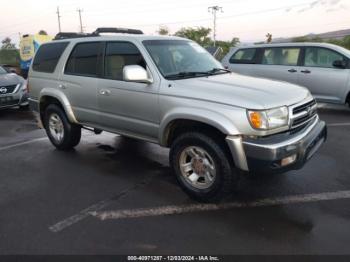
x,y
197,119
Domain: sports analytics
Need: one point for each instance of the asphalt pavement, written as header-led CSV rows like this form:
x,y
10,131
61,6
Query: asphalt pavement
x,y
113,195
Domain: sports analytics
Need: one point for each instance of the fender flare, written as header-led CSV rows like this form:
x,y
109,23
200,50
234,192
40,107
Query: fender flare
x,y
61,97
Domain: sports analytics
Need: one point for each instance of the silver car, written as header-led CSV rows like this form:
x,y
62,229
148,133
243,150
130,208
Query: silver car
x,y
322,68
170,91
13,90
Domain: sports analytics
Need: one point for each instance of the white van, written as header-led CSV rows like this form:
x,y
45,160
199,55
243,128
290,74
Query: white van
x,y
322,68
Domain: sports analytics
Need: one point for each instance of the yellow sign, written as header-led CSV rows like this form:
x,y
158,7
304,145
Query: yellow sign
x,y
28,46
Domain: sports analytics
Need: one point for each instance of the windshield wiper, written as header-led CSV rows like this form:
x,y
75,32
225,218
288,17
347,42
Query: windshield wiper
x,y
188,74
197,73
217,69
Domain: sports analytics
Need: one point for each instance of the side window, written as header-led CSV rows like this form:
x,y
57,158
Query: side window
x,y
281,56
321,57
118,55
243,56
47,57
83,60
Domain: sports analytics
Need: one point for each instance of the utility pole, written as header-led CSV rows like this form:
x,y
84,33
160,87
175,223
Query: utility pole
x,y
59,19
81,23
214,10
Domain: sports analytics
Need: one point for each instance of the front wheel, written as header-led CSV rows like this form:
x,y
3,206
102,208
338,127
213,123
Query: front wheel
x,y
62,134
203,166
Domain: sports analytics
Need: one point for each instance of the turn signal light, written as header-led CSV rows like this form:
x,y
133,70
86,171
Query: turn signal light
x,y
255,119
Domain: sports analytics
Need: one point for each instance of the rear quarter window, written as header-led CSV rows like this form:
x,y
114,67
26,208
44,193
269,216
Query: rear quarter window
x,y
47,57
243,56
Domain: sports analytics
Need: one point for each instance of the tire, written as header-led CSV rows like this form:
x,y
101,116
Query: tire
x,y
214,153
63,135
24,108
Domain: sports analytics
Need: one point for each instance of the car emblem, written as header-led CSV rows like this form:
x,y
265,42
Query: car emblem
x,y
3,90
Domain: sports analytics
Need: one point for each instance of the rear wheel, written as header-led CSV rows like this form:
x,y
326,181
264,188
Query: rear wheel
x,y
62,134
203,166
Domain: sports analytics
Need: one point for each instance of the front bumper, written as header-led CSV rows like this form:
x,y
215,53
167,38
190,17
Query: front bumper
x,y
265,154
20,98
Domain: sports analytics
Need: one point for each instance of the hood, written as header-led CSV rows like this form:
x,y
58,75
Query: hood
x,y
10,79
241,91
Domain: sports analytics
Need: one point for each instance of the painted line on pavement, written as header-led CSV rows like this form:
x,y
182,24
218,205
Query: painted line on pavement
x,y
183,209
23,143
95,207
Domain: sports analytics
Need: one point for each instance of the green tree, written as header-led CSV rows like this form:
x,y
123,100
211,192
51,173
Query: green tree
x,y
346,42
42,32
7,44
268,38
163,30
227,45
199,35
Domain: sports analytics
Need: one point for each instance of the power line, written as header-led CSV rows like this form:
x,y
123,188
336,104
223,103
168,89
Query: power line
x,y
214,10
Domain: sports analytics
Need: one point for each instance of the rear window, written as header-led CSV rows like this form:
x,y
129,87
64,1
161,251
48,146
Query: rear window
x,y
83,60
47,57
243,56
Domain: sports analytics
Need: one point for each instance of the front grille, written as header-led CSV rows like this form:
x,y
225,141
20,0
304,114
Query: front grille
x,y
303,114
7,89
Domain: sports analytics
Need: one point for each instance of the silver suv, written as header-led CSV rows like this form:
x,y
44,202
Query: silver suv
x,y
170,91
322,68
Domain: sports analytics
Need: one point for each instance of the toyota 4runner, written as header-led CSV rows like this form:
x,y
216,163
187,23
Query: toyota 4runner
x,y
170,91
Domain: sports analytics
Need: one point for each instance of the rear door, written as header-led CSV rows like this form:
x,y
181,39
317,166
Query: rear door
x,y
79,80
279,63
326,82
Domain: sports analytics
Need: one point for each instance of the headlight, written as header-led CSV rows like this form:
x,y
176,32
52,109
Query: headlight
x,y
23,86
268,119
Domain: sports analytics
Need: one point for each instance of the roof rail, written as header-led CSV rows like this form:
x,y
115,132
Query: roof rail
x,y
117,30
65,35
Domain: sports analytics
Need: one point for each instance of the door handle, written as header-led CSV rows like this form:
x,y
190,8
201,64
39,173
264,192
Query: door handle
x,y
62,86
292,70
306,71
105,92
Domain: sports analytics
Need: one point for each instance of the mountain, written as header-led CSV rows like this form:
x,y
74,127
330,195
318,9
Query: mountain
x,y
339,34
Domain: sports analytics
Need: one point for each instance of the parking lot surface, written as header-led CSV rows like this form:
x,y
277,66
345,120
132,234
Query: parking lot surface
x,y
114,195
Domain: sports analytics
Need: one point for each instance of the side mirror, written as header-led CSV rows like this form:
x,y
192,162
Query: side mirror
x,y
339,64
136,73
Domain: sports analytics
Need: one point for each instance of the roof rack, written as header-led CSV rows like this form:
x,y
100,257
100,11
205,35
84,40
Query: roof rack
x,y
65,35
97,32
117,30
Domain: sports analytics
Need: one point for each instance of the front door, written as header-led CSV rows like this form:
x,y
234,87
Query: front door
x,y
128,108
318,74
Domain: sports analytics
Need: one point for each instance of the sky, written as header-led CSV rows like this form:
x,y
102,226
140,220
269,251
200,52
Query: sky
x,y
250,20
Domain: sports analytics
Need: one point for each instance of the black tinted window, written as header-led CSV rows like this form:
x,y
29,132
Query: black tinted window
x,y
47,57
84,59
118,55
243,56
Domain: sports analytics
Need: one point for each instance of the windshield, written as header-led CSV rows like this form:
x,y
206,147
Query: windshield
x,y
2,71
182,59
